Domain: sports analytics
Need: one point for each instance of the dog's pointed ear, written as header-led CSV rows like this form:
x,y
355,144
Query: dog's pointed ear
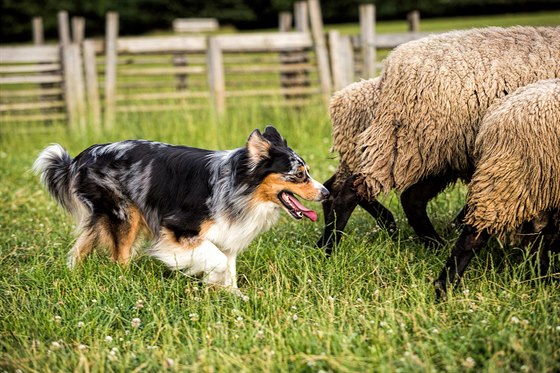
x,y
272,135
257,146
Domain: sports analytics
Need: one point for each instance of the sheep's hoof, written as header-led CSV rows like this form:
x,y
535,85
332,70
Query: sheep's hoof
x,y
441,290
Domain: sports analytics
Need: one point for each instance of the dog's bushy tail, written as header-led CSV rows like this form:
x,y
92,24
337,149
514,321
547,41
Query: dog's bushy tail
x,y
54,167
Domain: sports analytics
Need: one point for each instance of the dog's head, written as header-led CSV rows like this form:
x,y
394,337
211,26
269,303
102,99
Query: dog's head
x,y
282,174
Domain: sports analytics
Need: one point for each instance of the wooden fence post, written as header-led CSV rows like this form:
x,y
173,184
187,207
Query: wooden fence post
x,y
301,20
78,29
367,37
413,18
63,28
342,59
284,21
92,85
73,85
38,33
111,34
321,52
216,78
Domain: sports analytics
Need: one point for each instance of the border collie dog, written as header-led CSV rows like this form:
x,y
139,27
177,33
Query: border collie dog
x,y
200,207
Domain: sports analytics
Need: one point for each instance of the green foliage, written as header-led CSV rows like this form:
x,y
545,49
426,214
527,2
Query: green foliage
x,y
141,16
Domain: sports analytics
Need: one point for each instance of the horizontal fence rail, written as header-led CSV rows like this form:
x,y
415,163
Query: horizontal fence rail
x,y
93,81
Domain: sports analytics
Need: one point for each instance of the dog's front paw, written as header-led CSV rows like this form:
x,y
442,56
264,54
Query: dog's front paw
x,y
238,293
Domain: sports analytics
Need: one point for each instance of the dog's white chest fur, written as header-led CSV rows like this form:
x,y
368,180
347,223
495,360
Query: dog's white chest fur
x,y
232,236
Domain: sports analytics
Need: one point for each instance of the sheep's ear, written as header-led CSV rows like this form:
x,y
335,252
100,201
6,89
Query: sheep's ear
x,y
272,135
257,147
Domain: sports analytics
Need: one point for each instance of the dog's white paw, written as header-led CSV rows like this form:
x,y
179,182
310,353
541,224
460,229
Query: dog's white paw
x,y
238,293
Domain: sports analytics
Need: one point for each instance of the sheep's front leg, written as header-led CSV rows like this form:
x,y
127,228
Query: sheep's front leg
x,y
342,202
380,213
327,203
468,243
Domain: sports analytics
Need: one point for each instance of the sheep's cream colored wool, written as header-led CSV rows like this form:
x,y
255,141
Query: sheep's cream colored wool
x,y
434,93
351,112
518,159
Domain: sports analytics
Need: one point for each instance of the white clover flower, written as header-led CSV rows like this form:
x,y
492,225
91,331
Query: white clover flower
x,y
260,334
383,324
558,328
82,347
194,317
57,319
55,345
139,304
80,324
295,317
514,320
135,323
435,331
108,339
469,363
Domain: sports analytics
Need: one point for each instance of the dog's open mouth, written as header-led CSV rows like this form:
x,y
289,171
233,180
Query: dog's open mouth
x,y
294,206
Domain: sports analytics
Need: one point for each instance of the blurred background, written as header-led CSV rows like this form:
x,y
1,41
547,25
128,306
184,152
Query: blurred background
x,y
145,16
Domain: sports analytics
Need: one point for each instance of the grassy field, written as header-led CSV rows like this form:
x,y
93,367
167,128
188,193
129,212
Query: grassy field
x,y
369,307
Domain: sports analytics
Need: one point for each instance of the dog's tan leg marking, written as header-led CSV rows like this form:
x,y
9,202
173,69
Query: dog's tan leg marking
x,y
126,237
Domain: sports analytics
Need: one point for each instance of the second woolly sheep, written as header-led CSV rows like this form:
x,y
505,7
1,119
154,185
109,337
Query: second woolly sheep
x,y
517,175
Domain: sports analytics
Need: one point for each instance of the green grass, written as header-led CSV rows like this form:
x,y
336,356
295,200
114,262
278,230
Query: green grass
x,y
370,307
551,18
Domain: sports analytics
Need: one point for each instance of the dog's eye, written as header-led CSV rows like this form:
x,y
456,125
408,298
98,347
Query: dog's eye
x,y
300,175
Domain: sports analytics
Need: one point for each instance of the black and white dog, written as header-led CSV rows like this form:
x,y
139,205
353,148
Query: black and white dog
x,y
201,208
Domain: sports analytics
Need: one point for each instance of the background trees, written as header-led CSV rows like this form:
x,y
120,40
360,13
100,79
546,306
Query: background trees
x,y
140,16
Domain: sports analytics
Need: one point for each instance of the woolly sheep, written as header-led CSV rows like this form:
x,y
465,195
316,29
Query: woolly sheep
x,y
517,174
434,92
351,112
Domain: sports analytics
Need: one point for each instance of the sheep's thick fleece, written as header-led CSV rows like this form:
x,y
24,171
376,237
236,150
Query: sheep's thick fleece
x,y
351,111
434,93
517,149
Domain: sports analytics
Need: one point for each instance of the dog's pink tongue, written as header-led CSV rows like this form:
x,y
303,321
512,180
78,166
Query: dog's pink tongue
x,y
311,215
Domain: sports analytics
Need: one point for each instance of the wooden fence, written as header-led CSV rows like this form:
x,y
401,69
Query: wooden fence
x,y
85,80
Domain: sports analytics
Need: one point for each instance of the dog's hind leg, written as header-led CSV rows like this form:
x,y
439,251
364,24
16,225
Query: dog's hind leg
x,y
125,234
83,246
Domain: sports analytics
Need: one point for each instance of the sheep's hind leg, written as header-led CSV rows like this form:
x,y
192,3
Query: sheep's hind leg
x,y
468,243
414,201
